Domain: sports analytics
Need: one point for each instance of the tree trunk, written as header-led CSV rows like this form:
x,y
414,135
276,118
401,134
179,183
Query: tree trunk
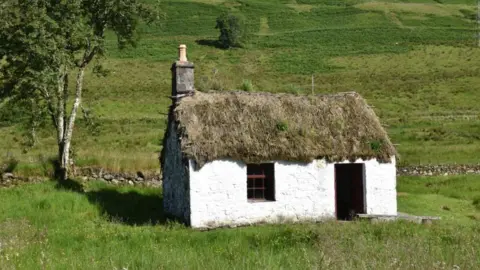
x,y
62,170
62,99
65,143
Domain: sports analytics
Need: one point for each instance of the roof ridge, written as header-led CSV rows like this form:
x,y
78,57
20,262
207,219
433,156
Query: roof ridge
x,y
236,91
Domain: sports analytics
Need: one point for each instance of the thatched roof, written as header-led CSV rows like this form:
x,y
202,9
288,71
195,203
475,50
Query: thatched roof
x,y
259,127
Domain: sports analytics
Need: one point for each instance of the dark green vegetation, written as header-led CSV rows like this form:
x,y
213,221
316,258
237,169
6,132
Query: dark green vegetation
x,y
67,227
414,61
43,45
233,31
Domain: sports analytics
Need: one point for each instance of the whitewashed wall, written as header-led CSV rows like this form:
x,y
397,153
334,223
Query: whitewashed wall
x,y
381,188
218,193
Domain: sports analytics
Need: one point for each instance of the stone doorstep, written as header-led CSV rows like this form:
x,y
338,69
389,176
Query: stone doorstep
x,y
402,216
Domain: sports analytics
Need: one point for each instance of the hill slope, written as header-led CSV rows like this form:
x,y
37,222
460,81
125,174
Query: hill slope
x,y
414,61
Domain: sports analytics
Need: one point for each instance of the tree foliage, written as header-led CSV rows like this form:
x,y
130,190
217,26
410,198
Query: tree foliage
x,y
45,42
233,30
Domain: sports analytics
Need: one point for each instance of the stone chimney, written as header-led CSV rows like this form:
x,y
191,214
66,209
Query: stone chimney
x,y
182,75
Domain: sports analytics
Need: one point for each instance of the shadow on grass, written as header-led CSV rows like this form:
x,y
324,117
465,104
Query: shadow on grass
x,y
131,208
210,43
69,185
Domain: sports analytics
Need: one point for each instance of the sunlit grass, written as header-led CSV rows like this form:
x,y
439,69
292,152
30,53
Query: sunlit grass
x,y
66,226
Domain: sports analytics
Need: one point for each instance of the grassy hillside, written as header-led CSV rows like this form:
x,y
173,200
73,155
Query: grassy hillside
x,y
111,228
414,61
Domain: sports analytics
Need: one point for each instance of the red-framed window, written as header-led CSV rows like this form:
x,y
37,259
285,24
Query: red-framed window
x,y
260,182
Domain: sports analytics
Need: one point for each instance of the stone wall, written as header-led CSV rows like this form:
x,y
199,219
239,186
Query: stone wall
x,y
10,179
151,179
176,194
154,178
380,187
146,178
446,169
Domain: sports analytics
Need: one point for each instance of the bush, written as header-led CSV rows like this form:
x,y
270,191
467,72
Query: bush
x,y
11,113
476,202
376,146
282,126
8,165
233,30
247,86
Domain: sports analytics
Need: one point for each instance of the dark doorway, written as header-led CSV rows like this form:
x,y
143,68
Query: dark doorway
x,y
349,190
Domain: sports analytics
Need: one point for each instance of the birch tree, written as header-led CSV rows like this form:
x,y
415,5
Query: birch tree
x,y
46,46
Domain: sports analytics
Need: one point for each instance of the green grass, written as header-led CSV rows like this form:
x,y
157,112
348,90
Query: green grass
x,y
454,198
104,227
416,64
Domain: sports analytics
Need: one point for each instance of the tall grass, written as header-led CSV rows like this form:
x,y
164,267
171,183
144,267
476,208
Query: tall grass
x,y
72,226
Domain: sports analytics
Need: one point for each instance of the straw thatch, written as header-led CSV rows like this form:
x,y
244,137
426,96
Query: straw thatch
x,y
259,127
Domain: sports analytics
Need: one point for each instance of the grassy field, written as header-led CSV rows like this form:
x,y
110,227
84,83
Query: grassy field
x,y
415,61
104,227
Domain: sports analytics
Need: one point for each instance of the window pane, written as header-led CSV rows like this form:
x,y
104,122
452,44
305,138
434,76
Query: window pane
x,y
259,183
269,189
254,169
250,194
250,183
259,194
262,186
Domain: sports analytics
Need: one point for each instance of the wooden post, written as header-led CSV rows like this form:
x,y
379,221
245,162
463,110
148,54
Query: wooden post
x,y
313,83
478,22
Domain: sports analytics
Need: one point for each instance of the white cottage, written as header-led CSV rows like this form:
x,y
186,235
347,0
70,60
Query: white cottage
x,y
236,158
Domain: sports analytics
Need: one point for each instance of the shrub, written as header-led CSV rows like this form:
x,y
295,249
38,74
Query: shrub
x,y
468,14
294,89
247,86
282,126
217,84
476,202
376,146
8,165
233,30
11,113
214,82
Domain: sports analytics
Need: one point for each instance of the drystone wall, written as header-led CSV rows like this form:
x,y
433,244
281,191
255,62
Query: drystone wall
x,y
9,179
139,178
154,178
151,179
446,169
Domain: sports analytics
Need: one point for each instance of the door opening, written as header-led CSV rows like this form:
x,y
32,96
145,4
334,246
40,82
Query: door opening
x,y
349,190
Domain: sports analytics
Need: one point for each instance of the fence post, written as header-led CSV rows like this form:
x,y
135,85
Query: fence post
x,y
313,83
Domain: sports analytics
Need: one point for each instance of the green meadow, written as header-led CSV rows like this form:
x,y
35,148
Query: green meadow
x,y
96,226
416,63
